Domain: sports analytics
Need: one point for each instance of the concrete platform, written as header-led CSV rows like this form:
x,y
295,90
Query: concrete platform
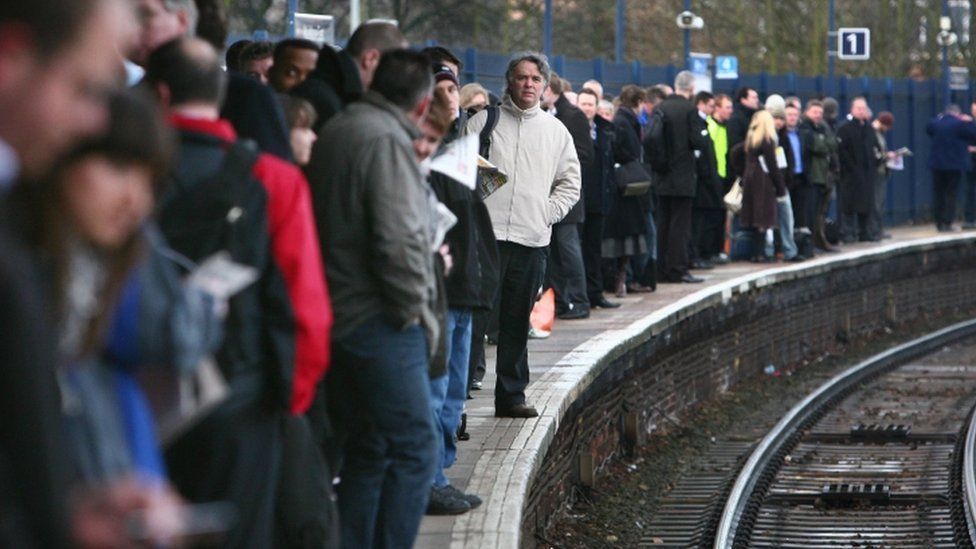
x,y
499,461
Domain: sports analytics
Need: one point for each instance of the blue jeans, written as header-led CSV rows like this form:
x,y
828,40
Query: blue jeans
x,y
784,220
448,392
380,381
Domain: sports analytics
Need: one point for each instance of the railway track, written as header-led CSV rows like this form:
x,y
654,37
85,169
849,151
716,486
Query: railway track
x,y
881,455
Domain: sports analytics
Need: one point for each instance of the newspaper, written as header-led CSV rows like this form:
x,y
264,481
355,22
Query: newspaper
x,y
897,160
459,161
491,178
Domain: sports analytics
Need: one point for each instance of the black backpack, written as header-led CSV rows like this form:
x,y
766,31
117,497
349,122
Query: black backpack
x,y
201,216
656,143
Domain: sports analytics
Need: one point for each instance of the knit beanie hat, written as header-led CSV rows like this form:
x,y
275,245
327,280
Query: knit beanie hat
x,y
443,72
776,106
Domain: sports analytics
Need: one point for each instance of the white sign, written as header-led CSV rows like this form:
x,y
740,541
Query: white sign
x,y
459,161
854,43
317,28
726,67
959,78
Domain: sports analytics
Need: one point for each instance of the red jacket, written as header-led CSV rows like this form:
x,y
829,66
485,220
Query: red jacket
x,y
295,245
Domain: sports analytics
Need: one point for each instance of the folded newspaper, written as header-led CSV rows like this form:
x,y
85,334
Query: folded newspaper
x,y
491,179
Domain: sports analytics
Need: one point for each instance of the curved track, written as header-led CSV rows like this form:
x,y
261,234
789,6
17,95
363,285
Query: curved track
x,y
879,456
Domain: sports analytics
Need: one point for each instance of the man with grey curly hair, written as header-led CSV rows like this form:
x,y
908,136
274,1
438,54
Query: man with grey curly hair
x,y
162,21
536,152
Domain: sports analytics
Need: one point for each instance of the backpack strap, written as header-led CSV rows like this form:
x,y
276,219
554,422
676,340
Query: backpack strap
x,y
485,137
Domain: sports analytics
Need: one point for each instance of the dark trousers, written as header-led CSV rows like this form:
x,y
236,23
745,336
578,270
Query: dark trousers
x,y
591,242
673,235
946,187
566,273
876,219
823,193
521,270
805,202
306,510
476,361
379,394
970,204
233,455
707,232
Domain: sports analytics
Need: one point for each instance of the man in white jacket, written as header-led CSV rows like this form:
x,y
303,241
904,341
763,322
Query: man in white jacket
x,y
537,154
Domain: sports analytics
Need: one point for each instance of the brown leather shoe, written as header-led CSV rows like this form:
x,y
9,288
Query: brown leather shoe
x,y
517,410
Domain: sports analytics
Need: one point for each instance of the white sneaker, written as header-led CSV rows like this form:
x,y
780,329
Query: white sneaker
x,y
538,334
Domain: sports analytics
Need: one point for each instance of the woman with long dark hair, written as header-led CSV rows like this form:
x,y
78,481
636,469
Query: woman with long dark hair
x,y
121,307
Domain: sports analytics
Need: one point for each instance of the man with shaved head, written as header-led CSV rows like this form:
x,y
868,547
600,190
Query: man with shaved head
x,y
370,41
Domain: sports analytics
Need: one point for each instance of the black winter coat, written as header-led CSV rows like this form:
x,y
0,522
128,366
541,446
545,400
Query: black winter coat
x,y
710,188
680,118
579,128
599,186
855,147
739,124
465,284
627,216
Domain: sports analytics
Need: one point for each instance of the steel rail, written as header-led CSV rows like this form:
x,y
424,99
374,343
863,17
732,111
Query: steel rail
x,y
969,477
761,458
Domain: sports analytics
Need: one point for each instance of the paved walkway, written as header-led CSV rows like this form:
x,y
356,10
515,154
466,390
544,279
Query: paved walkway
x,y
498,461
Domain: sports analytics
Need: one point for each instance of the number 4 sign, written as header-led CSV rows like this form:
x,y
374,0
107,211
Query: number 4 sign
x,y
854,44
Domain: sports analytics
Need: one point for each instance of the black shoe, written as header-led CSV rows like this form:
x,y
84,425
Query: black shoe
x,y
702,264
576,312
517,410
603,303
444,502
638,288
473,500
797,258
686,278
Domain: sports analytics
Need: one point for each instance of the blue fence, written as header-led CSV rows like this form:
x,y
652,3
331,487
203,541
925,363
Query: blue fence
x,y
912,102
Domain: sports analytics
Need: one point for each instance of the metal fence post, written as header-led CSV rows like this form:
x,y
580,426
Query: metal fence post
x,y
471,65
637,73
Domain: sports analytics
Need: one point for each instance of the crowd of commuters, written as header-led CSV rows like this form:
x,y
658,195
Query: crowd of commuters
x,y
240,307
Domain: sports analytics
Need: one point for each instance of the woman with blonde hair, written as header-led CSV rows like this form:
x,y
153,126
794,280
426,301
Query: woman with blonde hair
x,y
762,182
474,97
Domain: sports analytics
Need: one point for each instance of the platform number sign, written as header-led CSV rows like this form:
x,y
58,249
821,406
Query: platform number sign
x,y
854,44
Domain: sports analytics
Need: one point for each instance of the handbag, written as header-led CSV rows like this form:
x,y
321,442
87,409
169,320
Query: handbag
x,y
632,179
733,198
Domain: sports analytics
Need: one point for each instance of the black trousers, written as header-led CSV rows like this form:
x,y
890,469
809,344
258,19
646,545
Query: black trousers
x,y
566,273
805,202
707,232
673,234
946,187
591,243
476,362
521,271
233,455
